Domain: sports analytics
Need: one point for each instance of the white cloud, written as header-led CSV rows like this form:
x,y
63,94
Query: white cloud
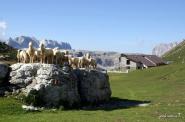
x,y
3,27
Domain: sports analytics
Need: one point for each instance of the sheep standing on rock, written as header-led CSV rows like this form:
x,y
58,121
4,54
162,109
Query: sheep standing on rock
x,y
37,55
58,56
41,53
83,62
66,59
31,52
91,61
18,56
24,58
80,62
74,62
49,56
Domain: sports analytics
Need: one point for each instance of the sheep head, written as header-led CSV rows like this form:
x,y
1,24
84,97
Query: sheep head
x,y
88,56
30,44
18,51
41,45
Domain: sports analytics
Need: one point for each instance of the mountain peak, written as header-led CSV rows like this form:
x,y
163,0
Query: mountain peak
x,y
23,41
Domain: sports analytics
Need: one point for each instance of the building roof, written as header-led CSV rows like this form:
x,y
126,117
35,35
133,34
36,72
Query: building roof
x,y
157,60
148,60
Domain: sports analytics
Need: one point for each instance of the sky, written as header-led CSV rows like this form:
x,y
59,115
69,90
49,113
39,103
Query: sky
x,y
129,26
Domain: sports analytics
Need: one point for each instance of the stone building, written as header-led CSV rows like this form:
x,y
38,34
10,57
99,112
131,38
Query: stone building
x,y
129,62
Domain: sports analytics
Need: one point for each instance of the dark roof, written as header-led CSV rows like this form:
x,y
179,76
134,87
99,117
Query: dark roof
x,y
157,60
148,60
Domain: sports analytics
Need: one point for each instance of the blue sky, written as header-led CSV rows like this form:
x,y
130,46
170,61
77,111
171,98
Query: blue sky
x,y
106,25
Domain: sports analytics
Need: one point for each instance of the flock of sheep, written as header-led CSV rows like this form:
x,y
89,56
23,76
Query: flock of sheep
x,y
54,56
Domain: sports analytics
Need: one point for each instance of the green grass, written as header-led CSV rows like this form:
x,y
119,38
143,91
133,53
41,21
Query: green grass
x,y
163,86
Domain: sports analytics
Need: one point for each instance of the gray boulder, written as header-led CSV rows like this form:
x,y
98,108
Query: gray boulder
x,y
52,86
47,83
93,86
4,71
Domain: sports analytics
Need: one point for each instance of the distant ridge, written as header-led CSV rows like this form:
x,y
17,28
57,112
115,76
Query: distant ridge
x,y
22,42
162,48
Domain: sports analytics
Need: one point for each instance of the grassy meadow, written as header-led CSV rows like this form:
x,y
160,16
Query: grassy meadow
x,y
163,88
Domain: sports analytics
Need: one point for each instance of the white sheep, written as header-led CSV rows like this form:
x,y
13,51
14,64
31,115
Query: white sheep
x,y
42,52
24,58
83,62
37,55
74,62
49,55
58,56
31,52
91,61
18,55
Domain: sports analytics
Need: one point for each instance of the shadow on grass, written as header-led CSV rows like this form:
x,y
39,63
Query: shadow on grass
x,y
116,103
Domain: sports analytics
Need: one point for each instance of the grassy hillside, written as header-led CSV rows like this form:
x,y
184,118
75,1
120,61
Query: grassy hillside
x,y
177,54
163,87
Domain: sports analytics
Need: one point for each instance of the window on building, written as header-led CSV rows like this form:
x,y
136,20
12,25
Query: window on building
x,y
128,67
128,62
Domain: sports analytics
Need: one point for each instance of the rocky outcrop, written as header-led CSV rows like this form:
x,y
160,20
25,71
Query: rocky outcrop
x,y
4,75
47,82
51,86
161,49
4,71
93,86
23,41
